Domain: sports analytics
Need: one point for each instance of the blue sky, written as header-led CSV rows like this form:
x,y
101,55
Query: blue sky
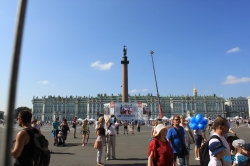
x,y
75,48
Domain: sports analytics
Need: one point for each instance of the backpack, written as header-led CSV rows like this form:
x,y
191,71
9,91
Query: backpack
x,y
64,129
204,151
41,153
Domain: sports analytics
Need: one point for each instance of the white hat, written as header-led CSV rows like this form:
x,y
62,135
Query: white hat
x,y
238,142
158,129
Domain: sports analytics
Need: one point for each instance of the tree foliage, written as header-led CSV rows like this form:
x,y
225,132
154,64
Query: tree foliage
x,y
19,109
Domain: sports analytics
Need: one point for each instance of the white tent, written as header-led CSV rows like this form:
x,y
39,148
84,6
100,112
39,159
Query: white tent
x,y
79,119
164,118
91,119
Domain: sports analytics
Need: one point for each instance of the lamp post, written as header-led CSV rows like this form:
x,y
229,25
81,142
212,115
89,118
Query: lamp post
x,y
158,96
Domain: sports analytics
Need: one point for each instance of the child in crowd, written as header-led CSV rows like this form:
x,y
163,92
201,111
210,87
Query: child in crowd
x,y
218,153
239,152
60,138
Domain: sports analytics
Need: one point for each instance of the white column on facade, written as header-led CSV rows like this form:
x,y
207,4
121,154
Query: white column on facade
x,y
76,109
216,107
186,107
182,107
154,110
205,108
65,109
53,114
88,110
191,103
171,108
92,109
43,111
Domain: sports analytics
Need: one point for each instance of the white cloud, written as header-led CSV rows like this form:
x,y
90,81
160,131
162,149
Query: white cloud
x,y
43,82
134,91
235,49
101,66
144,90
234,80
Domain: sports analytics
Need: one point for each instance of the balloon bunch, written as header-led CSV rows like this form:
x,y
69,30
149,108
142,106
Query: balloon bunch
x,y
198,122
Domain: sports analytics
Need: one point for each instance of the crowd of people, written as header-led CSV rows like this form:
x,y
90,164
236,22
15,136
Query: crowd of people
x,y
171,144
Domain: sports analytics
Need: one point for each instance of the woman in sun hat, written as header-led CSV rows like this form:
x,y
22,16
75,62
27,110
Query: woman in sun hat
x,y
160,152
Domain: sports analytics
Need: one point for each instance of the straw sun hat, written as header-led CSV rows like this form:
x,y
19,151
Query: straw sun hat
x,y
158,129
101,119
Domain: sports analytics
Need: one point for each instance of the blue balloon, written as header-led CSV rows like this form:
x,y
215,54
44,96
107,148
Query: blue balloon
x,y
198,118
204,122
194,126
201,126
192,120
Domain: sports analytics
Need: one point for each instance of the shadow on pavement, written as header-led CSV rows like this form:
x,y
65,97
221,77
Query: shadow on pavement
x,y
62,153
73,144
131,159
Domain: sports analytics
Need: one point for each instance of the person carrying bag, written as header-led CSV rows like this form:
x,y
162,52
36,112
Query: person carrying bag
x,y
98,143
100,140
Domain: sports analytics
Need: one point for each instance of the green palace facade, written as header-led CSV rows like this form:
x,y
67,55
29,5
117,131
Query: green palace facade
x,y
47,108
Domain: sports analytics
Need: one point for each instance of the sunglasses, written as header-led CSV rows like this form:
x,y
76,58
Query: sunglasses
x,y
176,119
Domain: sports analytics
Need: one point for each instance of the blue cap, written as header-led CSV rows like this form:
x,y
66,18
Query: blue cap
x,y
216,147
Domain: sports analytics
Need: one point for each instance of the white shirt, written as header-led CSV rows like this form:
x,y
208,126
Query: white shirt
x,y
37,126
110,130
227,150
198,132
214,162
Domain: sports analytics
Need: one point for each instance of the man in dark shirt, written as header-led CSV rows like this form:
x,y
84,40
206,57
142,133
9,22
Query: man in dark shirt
x,y
23,149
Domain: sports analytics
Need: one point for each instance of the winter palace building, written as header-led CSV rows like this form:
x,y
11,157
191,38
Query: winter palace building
x,y
47,108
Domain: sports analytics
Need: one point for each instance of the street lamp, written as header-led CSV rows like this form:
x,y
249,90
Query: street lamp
x,y
158,96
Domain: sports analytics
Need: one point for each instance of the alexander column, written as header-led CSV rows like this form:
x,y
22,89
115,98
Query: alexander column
x,y
124,63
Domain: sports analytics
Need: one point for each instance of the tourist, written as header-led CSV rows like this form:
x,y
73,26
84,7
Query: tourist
x,y
237,123
74,123
85,129
138,126
65,128
125,124
132,125
160,152
176,138
55,127
240,156
24,143
217,153
221,128
100,131
210,124
198,141
155,123
189,138
117,127
110,128
35,125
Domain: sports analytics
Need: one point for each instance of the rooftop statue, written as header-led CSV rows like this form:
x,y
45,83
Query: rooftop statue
x,y
124,51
